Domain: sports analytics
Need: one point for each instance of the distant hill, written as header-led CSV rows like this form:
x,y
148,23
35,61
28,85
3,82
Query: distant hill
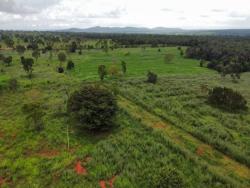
x,y
159,30
128,30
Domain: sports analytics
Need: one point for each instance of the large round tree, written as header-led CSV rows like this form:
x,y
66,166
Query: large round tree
x,y
94,107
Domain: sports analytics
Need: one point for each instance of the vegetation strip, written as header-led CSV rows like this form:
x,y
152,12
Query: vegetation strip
x,y
222,164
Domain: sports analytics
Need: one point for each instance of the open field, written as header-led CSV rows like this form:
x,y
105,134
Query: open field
x,y
166,125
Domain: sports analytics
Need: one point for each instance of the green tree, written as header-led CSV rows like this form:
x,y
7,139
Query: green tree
x,y
227,99
36,54
34,114
232,69
9,42
27,65
181,52
94,107
102,71
105,46
124,67
7,60
152,77
20,49
70,65
62,58
73,47
13,84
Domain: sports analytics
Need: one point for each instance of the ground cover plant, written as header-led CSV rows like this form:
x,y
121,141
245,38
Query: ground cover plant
x,y
183,102
166,133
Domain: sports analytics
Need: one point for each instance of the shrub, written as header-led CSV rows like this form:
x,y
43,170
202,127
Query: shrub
x,y
20,49
8,60
113,70
36,54
124,67
1,57
34,114
152,77
181,52
13,84
227,99
202,62
102,71
70,65
27,65
60,70
94,107
62,58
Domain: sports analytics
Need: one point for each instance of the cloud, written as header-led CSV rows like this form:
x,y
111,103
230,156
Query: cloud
x,y
204,16
166,10
238,15
240,23
182,18
56,14
218,10
23,7
116,13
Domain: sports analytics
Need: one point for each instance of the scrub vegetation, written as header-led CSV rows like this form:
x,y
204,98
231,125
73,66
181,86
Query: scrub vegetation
x,y
121,111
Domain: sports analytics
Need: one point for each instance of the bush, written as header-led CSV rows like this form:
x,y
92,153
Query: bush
x,y
113,70
60,70
27,65
94,107
152,77
8,60
70,65
102,71
13,84
124,67
227,99
34,113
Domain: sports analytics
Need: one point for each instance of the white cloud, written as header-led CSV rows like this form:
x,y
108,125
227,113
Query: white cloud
x,y
53,14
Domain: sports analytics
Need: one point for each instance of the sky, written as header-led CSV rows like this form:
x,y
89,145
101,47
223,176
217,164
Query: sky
x,y
185,14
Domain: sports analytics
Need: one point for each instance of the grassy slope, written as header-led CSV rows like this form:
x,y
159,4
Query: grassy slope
x,y
181,101
28,157
138,62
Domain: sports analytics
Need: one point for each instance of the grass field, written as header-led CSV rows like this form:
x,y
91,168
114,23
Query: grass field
x,y
164,126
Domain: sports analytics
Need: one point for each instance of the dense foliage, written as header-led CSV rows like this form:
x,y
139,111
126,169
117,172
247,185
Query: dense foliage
x,y
152,77
227,99
27,65
94,107
221,52
70,65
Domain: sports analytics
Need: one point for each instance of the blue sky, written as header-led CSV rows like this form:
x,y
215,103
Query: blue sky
x,y
186,14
